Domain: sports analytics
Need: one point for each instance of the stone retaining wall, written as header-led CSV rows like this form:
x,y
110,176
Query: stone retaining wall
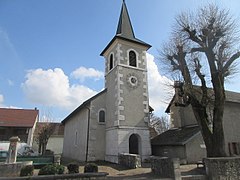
x,y
129,160
222,168
12,169
166,167
81,176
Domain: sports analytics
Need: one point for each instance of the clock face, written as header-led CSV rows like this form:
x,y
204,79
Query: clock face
x,y
132,80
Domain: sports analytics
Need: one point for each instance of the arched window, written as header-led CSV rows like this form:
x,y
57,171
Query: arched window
x,y
101,116
111,62
132,59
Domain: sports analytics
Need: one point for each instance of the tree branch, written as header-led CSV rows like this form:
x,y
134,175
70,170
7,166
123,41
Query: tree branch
x,y
193,36
197,50
183,65
230,61
203,82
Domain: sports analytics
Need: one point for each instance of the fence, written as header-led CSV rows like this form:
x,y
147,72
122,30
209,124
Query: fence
x,y
37,160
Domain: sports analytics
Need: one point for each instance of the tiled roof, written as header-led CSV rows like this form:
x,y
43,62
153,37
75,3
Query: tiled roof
x,y
18,117
178,136
230,97
58,128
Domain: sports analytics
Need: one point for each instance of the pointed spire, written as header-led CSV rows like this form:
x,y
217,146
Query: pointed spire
x,y
124,28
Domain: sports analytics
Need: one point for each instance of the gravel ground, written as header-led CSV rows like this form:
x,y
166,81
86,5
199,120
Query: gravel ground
x,y
116,171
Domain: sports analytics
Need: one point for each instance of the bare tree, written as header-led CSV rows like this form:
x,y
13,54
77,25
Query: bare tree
x,y
203,52
44,131
160,124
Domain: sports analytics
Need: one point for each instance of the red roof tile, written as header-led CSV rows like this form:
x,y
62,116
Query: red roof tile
x,y
17,117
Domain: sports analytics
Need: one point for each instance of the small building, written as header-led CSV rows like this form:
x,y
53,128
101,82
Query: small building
x,y
184,139
185,143
18,122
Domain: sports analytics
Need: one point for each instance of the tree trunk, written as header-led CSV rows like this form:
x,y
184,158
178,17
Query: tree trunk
x,y
39,148
214,139
218,131
44,146
200,115
219,102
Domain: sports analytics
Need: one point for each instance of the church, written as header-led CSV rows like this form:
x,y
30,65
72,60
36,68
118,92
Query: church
x,y
115,120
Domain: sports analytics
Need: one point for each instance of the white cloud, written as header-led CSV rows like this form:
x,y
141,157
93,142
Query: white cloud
x,y
7,49
10,82
1,100
2,105
82,73
52,88
160,91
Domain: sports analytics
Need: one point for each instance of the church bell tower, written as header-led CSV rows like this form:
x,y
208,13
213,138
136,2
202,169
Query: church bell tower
x,y
127,101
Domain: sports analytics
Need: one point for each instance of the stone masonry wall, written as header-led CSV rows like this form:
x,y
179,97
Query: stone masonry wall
x,y
223,168
166,167
12,169
130,160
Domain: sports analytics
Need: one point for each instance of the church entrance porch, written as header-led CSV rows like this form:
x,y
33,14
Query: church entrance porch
x,y
127,140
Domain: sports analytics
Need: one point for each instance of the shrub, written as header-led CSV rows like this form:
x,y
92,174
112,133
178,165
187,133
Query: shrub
x,y
60,169
73,168
48,152
51,170
90,167
48,170
27,170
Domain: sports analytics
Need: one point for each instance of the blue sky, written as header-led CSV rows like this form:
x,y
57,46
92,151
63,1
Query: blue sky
x,y
49,49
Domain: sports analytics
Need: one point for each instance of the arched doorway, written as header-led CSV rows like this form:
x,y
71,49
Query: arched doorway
x,y
134,144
